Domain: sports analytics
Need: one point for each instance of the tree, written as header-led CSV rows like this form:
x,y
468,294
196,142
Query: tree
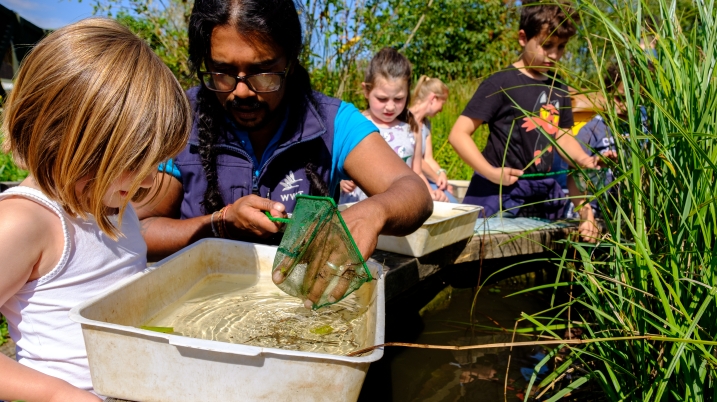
x,y
448,39
164,28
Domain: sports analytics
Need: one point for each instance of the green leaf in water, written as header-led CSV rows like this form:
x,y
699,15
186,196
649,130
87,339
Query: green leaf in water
x,y
164,330
323,330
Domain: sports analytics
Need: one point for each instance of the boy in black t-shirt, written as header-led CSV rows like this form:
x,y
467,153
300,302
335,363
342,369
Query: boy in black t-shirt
x,y
523,105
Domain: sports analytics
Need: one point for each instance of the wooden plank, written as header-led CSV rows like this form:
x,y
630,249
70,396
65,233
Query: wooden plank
x,y
402,272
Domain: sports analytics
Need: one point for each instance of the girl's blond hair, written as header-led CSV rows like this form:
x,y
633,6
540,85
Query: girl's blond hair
x,y
90,103
426,86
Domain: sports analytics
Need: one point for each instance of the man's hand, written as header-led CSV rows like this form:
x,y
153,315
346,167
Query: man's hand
x,y
331,261
327,256
246,217
347,186
505,176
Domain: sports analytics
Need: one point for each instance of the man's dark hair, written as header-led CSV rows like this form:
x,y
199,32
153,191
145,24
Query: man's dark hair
x,y
273,22
550,18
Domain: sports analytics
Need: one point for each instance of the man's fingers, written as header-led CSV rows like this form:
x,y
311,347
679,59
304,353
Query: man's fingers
x,y
330,270
282,270
265,204
343,284
318,255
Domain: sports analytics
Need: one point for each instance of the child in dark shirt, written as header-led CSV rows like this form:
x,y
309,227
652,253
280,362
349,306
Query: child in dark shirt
x,y
524,105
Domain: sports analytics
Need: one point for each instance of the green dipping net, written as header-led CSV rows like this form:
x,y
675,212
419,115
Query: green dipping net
x,y
318,260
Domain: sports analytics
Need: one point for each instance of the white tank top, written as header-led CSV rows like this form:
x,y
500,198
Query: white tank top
x,y
37,315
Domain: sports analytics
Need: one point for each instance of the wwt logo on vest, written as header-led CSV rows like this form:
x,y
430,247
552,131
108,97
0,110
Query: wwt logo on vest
x,y
289,183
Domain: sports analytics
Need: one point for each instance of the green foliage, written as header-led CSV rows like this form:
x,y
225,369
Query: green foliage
x,y
163,28
8,170
655,270
449,39
4,335
456,40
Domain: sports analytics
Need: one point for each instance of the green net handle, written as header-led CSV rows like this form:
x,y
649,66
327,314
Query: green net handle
x,y
557,172
273,219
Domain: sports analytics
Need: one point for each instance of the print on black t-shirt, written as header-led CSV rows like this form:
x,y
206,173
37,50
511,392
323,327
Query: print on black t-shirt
x,y
502,101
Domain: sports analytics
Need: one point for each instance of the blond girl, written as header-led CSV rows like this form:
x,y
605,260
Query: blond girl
x,y
92,113
428,99
386,88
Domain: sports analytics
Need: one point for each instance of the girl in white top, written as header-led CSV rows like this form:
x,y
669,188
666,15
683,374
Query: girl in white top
x,y
92,113
386,88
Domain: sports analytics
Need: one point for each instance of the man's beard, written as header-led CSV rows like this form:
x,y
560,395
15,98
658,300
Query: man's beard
x,y
251,105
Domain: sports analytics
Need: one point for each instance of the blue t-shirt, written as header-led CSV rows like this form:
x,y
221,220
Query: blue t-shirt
x,y
350,128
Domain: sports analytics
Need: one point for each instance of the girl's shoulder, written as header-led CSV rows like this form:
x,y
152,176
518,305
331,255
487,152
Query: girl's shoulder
x,y
33,228
21,216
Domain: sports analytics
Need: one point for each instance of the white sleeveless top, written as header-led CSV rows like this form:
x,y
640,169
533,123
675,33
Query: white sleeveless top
x,y
37,315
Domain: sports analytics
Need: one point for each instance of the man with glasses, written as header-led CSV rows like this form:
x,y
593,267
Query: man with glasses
x,y
261,136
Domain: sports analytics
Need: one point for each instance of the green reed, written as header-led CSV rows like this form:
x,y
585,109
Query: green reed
x,y
654,269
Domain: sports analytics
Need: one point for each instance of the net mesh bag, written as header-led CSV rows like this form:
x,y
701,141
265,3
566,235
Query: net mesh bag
x,y
318,260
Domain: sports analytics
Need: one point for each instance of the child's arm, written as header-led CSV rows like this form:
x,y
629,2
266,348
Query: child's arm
x,y
431,168
588,227
460,139
573,153
417,162
23,383
27,226
417,167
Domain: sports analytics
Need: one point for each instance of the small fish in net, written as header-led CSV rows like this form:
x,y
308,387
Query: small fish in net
x,y
318,260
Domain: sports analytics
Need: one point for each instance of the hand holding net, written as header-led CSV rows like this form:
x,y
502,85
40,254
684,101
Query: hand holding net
x,y
318,260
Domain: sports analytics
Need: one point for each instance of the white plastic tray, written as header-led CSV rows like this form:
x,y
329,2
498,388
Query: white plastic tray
x,y
131,363
459,188
450,223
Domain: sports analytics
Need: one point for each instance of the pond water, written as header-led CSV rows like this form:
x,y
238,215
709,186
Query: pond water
x,y
233,309
412,375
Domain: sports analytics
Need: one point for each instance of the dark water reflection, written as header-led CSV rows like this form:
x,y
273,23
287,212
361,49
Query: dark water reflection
x,y
408,375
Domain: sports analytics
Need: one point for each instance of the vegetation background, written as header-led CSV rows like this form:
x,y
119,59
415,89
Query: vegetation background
x,y
652,277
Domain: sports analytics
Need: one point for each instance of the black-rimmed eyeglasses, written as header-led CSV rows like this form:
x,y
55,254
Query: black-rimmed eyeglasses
x,y
259,83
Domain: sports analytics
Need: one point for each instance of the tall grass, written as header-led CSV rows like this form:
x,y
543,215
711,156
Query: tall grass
x,y
654,271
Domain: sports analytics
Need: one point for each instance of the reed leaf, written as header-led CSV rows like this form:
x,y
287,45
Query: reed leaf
x,y
656,272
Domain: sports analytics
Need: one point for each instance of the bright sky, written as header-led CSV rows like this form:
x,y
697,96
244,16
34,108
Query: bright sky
x,y
50,14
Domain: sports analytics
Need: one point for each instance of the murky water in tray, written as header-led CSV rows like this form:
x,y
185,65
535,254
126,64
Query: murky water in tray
x,y
229,308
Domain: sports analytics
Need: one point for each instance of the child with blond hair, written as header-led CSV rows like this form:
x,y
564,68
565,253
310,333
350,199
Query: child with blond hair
x,y
92,113
428,99
386,88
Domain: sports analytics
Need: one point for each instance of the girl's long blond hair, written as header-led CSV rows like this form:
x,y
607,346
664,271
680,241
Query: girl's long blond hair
x,y
92,102
426,86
